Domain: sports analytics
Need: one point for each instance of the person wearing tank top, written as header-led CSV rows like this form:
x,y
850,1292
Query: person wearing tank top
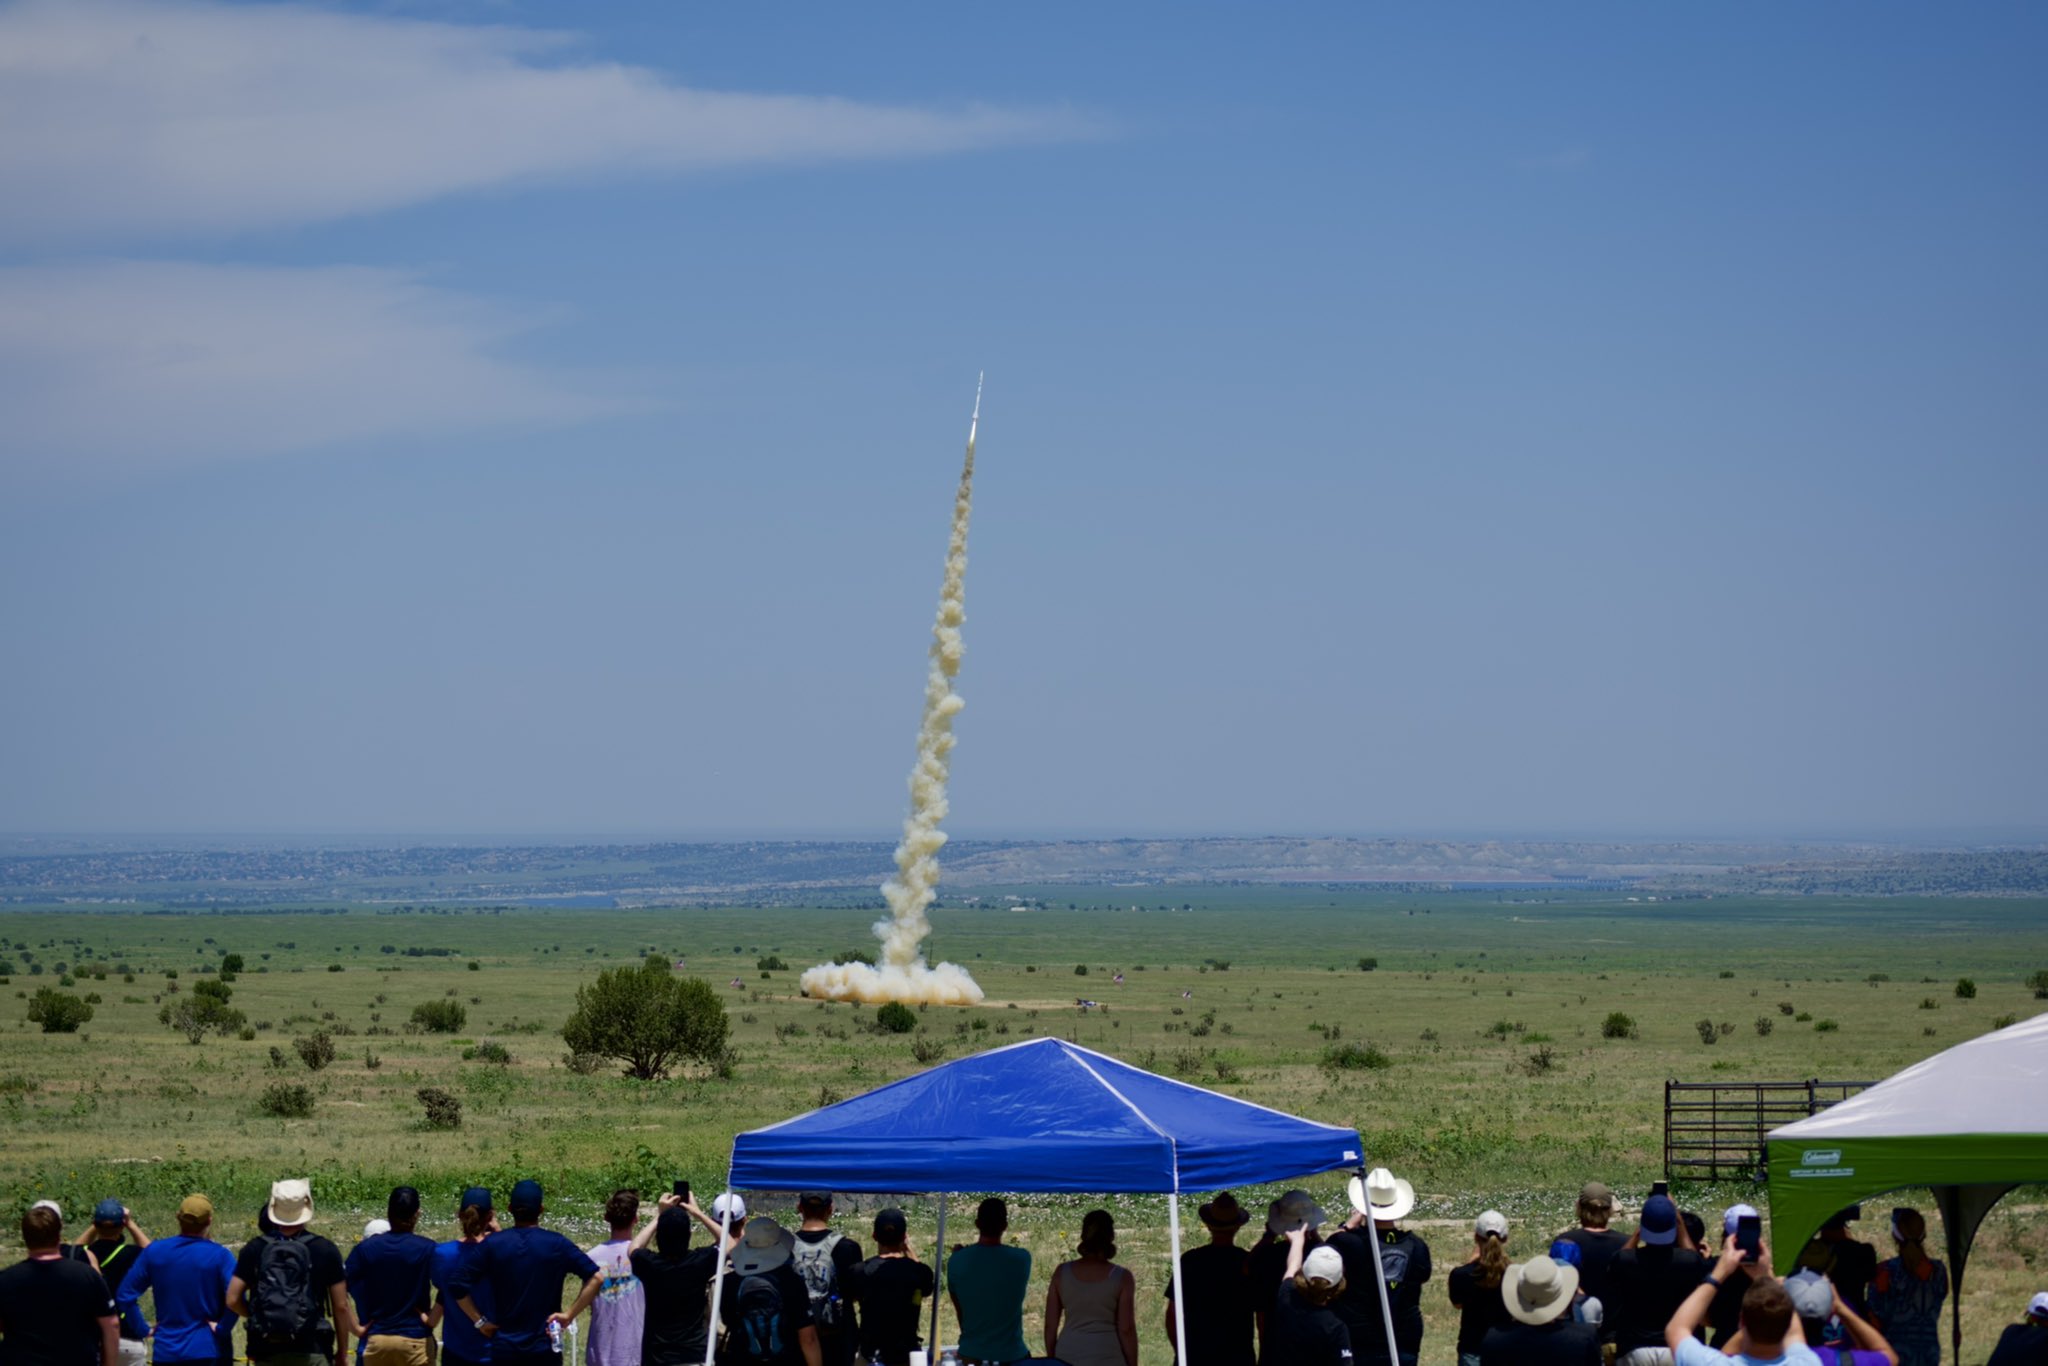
x,y
1090,1309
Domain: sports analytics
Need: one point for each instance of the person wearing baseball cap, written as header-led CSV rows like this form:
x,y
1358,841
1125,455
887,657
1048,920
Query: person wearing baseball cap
x,y
1597,1243
1769,1333
1303,1329
1474,1287
287,1309
2025,1343
1820,1308
187,1274
1647,1281
1538,1295
1219,1303
461,1343
891,1288
524,1266
115,1240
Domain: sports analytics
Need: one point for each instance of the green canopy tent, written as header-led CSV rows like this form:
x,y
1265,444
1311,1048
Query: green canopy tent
x,y
1971,1123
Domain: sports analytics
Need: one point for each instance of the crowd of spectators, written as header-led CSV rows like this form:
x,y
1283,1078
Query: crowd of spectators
x,y
1309,1291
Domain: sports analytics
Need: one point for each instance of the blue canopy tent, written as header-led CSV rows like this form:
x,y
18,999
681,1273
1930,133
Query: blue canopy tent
x,y
1041,1116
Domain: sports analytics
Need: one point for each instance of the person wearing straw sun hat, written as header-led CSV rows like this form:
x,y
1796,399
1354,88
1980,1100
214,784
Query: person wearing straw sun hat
x,y
1219,1302
1404,1262
1538,1296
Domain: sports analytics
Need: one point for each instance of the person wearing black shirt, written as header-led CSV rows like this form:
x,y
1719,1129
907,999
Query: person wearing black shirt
x,y
291,1212
675,1281
891,1288
55,1310
1218,1309
2024,1343
1404,1264
115,1240
1475,1287
1538,1294
1850,1263
1596,1242
1648,1279
1305,1331
763,1254
1268,1262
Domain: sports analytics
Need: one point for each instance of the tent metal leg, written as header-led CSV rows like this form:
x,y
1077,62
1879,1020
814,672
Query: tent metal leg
x,y
717,1282
1379,1276
938,1281
1180,1295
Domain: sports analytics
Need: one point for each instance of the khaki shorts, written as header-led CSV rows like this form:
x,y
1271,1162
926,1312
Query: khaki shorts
x,y
134,1352
381,1349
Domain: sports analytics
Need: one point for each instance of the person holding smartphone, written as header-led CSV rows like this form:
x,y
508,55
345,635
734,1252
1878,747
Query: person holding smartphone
x,y
1767,1332
1724,1315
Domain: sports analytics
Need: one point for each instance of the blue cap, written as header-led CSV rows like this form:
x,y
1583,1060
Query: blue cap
x,y
110,1211
1658,1226
526,1198
480,1196
1566,1251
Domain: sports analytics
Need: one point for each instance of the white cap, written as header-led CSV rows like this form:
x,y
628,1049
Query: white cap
x,y
52,1206
728,1209
1492,1222
1324,1265
2037,1307
375,1227
1734,1213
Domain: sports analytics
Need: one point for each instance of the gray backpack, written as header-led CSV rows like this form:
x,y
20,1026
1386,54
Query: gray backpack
x,y
813,1262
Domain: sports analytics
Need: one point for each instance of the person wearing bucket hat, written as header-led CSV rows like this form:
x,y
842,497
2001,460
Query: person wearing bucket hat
x,y
1648,1280
1304,1326
1538,1296
1268,1260
1219,1302
2025,1343
289,1285
1404,1264
524,1267
1474,1287
765,1305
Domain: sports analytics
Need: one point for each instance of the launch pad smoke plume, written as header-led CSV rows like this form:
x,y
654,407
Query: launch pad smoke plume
x,y
902,974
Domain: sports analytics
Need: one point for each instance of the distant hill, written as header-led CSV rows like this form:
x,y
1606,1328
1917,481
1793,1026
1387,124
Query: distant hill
x,y
785,871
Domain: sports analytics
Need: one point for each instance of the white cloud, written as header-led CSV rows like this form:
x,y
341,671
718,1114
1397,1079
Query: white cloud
x,y
122,120
114,368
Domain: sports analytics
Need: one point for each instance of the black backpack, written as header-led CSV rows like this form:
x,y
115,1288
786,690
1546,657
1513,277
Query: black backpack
x,y
760,1304
281,1304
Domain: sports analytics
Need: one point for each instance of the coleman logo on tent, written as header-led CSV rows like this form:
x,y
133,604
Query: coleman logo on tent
x,y
1821,1157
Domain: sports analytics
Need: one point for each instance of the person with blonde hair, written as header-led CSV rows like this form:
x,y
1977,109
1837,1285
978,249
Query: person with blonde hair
x,y
1475,1287
1090,1308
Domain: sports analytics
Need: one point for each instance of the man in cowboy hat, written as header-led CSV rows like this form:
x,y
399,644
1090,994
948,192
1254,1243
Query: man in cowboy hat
x,y
765,1305
1404,1264
286,1284
1538,1294
1296,1209
1219,1298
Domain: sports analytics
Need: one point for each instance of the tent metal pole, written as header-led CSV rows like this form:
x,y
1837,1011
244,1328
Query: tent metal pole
x,y
1180,1291
1379,1275
938,1281
718,1275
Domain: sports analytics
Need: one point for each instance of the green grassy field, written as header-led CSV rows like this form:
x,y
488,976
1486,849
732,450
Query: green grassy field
x,y
1499,1089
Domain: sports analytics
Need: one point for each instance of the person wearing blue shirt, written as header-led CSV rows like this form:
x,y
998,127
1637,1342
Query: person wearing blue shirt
x,y
390,1277
524,1266
189,1274
461,1343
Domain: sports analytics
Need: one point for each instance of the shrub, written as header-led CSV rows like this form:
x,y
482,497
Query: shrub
x,y
1764,1025
1540,1061
927,1051
896,1018
1876,977
1368,964
1726,973
231,964
1708,1034
440,1017
1353,1057
285,1101
857,956
1080,969
1825,1026
1726,1027
1785,1007
1618,1025
771,963
199,1014
371,1060
336,967
475,966
651,1020
58,1012
491,1052
443,1110
582,1064
2039,982
1802,1017
2005,1021
1929,1003
315,1050
1966,989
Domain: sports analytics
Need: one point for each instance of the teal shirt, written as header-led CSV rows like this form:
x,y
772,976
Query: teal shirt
x,y
989,1284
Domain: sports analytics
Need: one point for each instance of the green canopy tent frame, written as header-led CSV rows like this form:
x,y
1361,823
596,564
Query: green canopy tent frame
x,y
1970,1123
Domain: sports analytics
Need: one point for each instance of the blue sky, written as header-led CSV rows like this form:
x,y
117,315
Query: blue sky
x,y
1494,419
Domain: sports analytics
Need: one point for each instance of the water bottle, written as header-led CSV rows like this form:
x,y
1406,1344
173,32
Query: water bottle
x,y
555,1336
949,1356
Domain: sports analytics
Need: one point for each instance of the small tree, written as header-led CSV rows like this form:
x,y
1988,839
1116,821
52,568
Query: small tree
x,y
440,1017
315,1050
1618,1026
1368,964
896,1017
285,1101
1708,1034
1966,990
58,1012
443,1110
230,964
199,1014
649,1019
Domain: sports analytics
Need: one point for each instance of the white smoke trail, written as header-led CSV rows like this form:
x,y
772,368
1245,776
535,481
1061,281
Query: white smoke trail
x,y
902,974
